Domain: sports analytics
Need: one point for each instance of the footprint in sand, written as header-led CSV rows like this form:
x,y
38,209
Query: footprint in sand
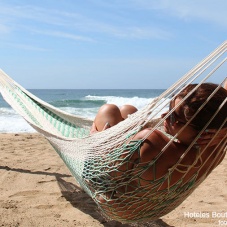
x,y
26,193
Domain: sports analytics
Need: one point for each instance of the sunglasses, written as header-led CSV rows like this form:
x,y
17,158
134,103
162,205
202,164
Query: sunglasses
x,y
173,117
173,120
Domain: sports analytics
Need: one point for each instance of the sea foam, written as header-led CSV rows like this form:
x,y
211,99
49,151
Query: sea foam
x,y
86,107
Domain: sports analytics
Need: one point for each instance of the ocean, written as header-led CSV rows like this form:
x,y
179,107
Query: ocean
x,y
80,102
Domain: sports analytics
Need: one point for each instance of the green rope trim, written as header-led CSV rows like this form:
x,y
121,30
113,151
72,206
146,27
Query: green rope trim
x,y
66,128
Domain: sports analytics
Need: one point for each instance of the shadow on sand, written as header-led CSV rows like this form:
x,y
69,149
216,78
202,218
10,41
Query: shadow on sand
x,y
80,200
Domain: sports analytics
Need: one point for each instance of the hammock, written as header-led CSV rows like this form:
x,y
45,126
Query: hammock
x,y
92,159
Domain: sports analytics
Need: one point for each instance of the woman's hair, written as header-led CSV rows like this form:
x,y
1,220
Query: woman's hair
x,y
197,99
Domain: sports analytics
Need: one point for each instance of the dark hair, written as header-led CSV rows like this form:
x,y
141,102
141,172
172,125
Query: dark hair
x,y
197,98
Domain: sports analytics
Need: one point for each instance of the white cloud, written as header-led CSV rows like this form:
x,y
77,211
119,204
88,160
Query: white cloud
x,y
77,26
205,10
4,29
64,35
142,33
26,47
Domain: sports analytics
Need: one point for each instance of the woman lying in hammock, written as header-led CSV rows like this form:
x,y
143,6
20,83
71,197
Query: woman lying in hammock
x,y
161,166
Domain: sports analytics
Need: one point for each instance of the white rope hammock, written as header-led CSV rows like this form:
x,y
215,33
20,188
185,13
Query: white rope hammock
x,y
69,135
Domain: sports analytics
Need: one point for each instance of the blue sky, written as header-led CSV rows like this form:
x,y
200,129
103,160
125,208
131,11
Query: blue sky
x,y
107,43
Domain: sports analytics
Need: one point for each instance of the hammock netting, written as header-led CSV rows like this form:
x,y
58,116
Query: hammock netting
x,y
99,161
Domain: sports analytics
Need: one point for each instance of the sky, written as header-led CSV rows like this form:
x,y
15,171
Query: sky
x,y
107,44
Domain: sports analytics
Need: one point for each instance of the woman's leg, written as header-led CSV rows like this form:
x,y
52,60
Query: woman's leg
x,y
108,113
126,110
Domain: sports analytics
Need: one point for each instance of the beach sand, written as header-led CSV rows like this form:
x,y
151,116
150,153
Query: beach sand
x,y
37,189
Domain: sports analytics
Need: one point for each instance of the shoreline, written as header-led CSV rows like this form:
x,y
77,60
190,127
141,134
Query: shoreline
x,y
37,189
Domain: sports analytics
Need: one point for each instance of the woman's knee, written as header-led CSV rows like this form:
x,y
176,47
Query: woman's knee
x,y
108,113
126,110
